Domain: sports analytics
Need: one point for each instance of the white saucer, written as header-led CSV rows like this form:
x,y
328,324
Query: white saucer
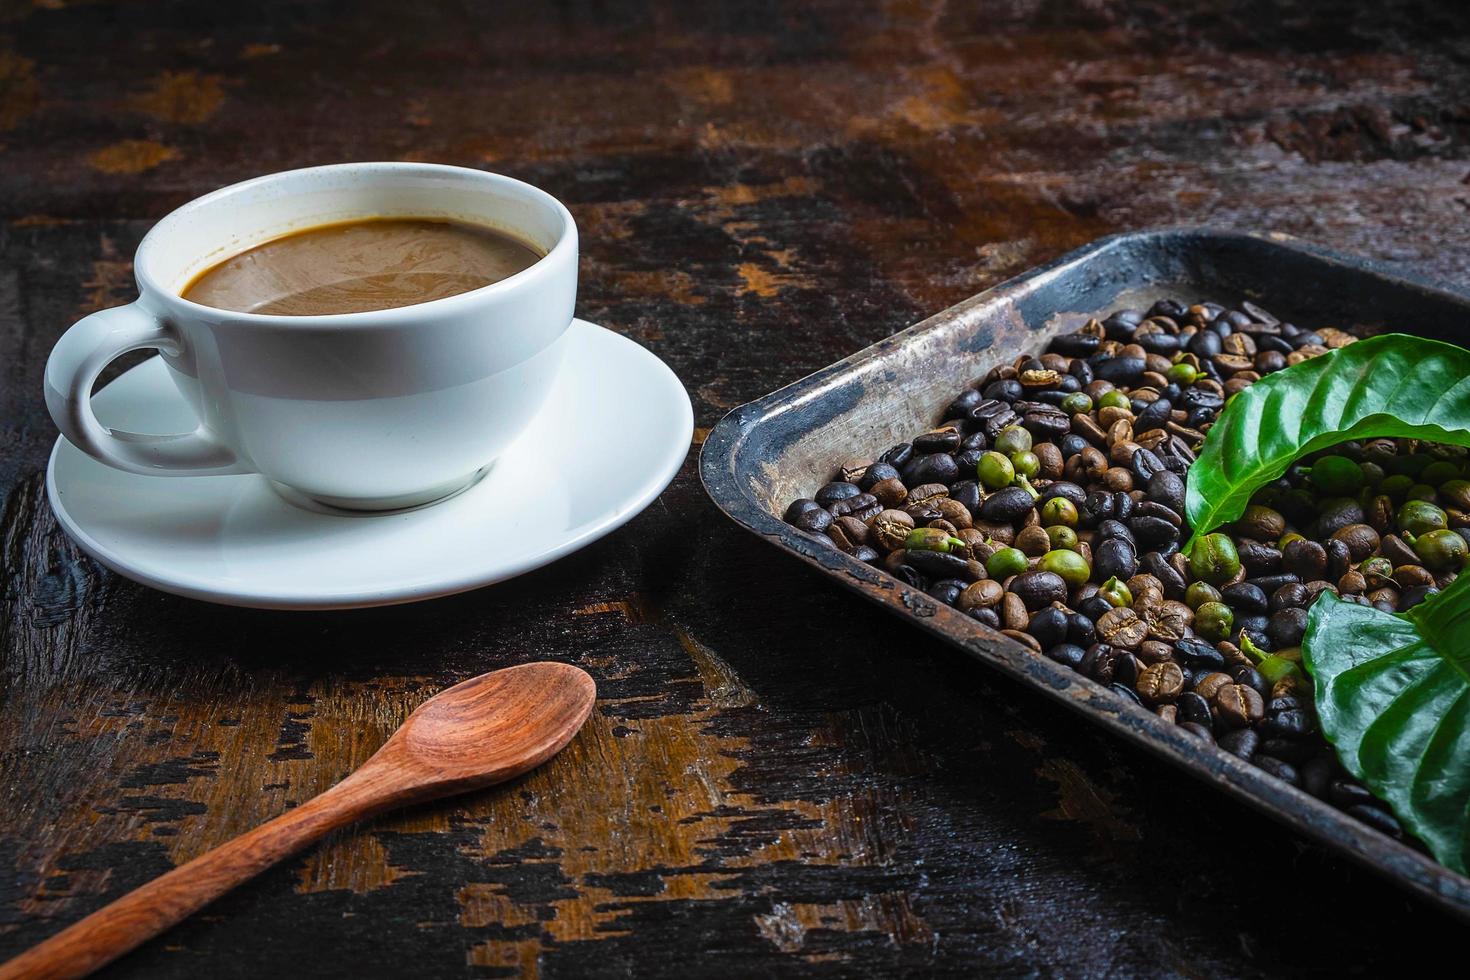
x,y
609,440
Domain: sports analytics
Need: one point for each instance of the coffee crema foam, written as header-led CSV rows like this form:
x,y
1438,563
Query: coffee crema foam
x,y
360,266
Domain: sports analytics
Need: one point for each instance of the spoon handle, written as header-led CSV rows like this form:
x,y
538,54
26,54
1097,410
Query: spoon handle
x,y
148,910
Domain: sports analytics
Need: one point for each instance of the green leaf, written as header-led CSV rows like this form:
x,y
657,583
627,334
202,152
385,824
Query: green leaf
x,y
1393,694
1389,386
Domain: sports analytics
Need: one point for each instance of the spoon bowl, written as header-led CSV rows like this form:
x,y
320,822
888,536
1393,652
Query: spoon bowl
x,y
488,729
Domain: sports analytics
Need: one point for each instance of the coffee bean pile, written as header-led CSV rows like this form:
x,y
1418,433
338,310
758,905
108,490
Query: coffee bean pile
x,y
1049,504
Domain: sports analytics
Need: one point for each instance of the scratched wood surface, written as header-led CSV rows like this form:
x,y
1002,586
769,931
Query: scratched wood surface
x,y
777,777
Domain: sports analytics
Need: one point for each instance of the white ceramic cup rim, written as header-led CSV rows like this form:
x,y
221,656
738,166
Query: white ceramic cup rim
x,y
158,239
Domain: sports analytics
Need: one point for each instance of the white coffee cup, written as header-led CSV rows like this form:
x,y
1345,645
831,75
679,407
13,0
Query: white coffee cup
x,y
369,411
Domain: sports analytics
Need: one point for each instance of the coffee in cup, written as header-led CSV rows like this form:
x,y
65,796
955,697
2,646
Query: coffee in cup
x,y
289,314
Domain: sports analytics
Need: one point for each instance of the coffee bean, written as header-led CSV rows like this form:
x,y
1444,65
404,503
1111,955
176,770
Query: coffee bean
x,y
1199,655
897,455
808,515
1193,708
1279,768
1067,654
1122,627
1006,505
1241,742
930,468
1049,626
1160,682
1286,628
1037,589
1377,818
1239,705
1244,597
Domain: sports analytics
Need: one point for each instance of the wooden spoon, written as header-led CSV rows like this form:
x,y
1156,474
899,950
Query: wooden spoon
x,y
489,729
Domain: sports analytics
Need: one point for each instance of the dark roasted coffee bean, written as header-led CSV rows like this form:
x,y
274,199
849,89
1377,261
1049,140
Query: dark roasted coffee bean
x,y
1160,568
1412,597
966,492
1120,370
808,515
1071,444
1244,597
876,473
974,442
834,492
1286,702
1346,793
1007,390
1339,559
1152,417
1126,691
1114,558
1097,507
1065,490
939,441
963,402
1115,529
1254,626
1289,596
1126,669
1336,514
1293,723
930,468
994,424
1093,607
1241,742
1006,505
1377,818
1158,342
966,460
1037,589
1199,655
866,554
1046,423
1151,532
1288,750
897,455
985,615
1317,772
937,564
1049,626
856,506
1258,558
1199,731
1144,465
946,591
1067,654
1279,768
1286,628
1148,508
910,575
1205,344
1251,677
1080,630
1075,344
1193,708
1270,583
1167,488
1122,506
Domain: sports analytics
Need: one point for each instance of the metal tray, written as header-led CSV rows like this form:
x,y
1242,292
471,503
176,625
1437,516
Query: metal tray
x,y
785,445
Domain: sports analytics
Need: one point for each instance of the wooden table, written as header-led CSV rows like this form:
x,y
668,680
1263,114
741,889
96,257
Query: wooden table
x,y
778,778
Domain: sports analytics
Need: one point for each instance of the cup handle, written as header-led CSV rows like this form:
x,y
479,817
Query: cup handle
x,y
76,360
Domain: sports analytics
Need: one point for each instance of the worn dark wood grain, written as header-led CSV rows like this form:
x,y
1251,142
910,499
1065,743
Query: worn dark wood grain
x,y
777,777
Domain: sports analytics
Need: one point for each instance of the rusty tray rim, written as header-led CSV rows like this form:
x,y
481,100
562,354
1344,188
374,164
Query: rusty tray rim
x,y
725,456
